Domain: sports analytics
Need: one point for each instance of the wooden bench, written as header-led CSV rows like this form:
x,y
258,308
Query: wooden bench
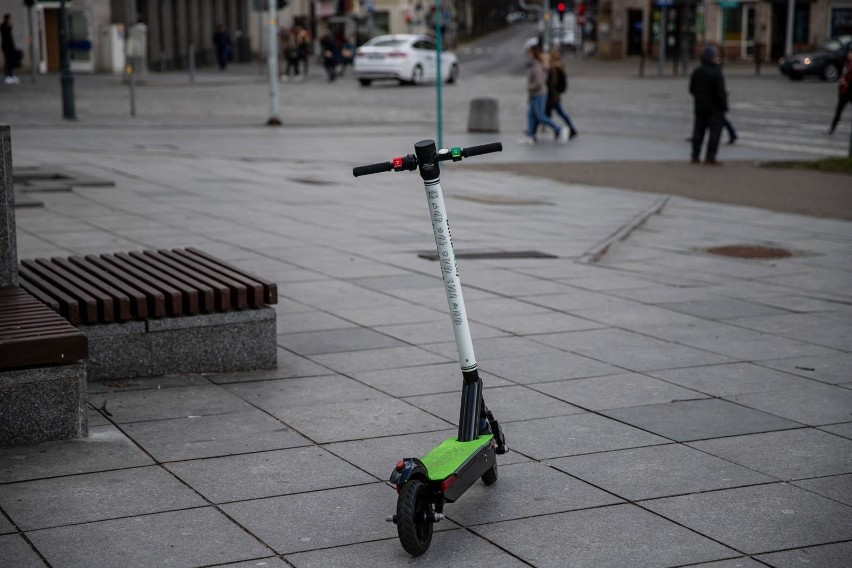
x,y
42,377
158,312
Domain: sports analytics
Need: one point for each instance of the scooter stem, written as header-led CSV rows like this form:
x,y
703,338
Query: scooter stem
x,y
471,406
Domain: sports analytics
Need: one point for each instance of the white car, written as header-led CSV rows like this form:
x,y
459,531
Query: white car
x,y
407,58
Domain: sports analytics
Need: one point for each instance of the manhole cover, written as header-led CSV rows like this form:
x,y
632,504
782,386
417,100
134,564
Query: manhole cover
x,y
492,255
750,251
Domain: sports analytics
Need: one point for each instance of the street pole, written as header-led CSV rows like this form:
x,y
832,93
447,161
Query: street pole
x,y
191,63
273,66
791,13
260,40
547,23
30,9
66,79
664,13
439,19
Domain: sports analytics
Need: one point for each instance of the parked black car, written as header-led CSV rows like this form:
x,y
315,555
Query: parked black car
x,y
826,61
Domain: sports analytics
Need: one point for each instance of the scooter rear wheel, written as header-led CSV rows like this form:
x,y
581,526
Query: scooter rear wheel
x,y
490,476
414,514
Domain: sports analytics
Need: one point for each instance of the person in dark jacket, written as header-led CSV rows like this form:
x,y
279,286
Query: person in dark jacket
x,y
844,92
707,86
222,43
330,54
10,52
557,83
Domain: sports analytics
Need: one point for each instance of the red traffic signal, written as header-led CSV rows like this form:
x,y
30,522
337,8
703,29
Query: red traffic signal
x,y
560,7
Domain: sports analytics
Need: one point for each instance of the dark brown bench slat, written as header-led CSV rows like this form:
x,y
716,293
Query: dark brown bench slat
x,y
189,294
139,300
159,300
238,296
215,295
253,291
120,300
34,341
102,301
270,289
173,296
68,306
87,304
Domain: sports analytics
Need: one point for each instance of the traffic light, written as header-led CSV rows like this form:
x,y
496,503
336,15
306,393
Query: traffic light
x,y
560,9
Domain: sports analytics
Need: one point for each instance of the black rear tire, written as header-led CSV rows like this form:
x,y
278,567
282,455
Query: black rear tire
x,y
365,82
414,512
490,476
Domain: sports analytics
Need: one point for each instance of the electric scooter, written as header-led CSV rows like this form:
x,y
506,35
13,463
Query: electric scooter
x,y
443,475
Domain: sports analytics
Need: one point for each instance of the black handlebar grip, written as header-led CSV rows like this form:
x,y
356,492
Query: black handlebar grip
x,y
372,169
471,151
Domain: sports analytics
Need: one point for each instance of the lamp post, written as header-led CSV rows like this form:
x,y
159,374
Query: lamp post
x,y
66,79
272,60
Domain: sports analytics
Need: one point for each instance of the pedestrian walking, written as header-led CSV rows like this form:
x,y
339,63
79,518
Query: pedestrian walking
x,y
732,132
303,46
537,95
330,54
844,92
11,55
707,87
291,56
347,54
557,84
222,43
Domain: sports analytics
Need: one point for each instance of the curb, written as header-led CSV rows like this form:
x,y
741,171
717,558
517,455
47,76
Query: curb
x,y
600,249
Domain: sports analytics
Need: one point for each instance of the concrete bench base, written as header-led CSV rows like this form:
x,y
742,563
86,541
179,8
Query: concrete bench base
x,y
241,340
42,404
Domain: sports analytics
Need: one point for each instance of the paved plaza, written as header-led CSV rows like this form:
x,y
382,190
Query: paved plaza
x,y
663,406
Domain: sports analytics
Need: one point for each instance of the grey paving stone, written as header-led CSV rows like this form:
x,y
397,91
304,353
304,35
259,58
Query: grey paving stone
x,y
552,322
760,519
730,379
844,429
276,395
428,379
449,549
96,418
556,366
374,359
723,308
826,556
289,366
689,420
335,341
524,490
837,487
160,404
321,519
267,474
495,348
94,497
615,391
314,320
657,471
741,562
507,403
435,331
121,385
785,455
394,312
210,436
106,448
829,369
814,405
620,535
356,420
15,551
270,562
629,315
805,327
178,538
5,525
575,434
630,350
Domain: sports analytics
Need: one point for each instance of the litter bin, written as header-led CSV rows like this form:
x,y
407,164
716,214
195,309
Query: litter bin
x,y
484,115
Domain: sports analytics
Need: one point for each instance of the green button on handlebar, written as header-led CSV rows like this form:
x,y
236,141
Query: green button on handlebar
x,y
456,153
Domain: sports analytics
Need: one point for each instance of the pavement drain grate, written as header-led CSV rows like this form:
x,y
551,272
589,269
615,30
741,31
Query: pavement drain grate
x,y
501,200
750,251
491,255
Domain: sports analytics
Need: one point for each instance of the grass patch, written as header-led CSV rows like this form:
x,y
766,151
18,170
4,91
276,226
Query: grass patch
x,y
834,165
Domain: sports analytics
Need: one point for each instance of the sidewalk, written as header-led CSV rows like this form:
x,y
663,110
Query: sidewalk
x,y
664,406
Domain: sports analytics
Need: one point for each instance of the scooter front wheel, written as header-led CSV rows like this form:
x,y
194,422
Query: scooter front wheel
x,y
414,517
490,476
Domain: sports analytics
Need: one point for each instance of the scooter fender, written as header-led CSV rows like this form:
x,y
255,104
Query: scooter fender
x,y
408,468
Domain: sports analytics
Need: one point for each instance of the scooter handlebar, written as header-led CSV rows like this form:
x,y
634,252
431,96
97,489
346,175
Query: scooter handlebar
x,y
471,151
372,169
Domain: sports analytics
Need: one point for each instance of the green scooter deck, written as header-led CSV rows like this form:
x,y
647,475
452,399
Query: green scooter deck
x,y
450,455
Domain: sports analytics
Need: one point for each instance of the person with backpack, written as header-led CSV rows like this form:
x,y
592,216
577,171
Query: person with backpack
x,y
557,83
